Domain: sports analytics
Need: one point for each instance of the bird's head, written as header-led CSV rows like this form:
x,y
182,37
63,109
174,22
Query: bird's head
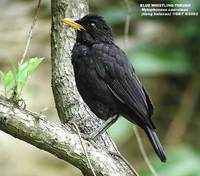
x,y
91,29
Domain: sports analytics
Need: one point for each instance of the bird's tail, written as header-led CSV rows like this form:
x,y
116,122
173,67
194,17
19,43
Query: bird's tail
x,y
156,144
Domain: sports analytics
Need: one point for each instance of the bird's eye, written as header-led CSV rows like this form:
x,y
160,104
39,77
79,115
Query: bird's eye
x,y
93,25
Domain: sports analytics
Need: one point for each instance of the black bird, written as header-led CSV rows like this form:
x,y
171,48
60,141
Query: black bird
x,y
107,81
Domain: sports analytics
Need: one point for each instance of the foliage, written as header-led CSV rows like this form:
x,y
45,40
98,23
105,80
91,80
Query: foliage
x,y
15,80
159,61
182,161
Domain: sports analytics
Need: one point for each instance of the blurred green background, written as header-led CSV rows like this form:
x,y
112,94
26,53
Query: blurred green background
x,y
165,52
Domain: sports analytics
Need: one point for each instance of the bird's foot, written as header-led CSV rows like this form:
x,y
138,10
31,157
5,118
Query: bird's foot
x,y
89,139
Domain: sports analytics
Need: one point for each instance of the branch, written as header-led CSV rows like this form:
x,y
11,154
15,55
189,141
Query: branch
x,y
56,139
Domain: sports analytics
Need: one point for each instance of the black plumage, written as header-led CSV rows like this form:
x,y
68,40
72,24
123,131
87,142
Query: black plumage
x,y
107,81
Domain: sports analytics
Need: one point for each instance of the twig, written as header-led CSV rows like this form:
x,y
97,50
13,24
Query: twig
x,y
31,31
83,146
140,144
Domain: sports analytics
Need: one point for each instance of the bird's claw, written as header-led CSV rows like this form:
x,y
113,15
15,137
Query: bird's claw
x,y
89,139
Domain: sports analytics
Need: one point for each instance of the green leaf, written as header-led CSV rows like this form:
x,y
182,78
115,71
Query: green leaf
x,y
19,75
26,69
33,64
22,78
1,75
22,67
8,78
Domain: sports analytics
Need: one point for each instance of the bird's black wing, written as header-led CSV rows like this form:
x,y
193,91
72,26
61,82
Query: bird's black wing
x,y
114,68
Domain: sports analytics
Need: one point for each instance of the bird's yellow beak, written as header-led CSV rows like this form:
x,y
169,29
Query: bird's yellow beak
x,y
73,24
